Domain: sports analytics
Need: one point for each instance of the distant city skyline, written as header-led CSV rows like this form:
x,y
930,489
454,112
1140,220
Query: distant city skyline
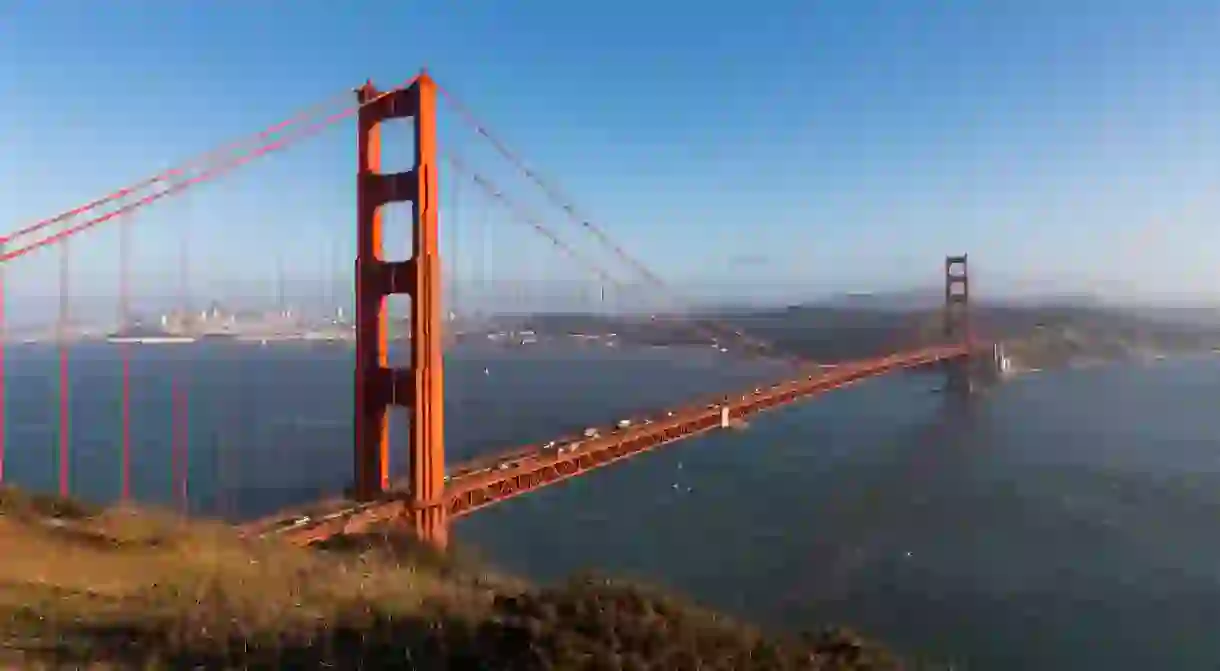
x,y
558,296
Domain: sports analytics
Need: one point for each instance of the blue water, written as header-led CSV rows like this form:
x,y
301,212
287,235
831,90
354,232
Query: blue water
x,y
1063,521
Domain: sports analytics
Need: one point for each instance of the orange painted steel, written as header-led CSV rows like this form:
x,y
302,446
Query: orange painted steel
x,y
379,387
479,490
957,298
534,468
957,320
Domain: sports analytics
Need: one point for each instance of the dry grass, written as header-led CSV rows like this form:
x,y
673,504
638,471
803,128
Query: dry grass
x,y
72,578
122,588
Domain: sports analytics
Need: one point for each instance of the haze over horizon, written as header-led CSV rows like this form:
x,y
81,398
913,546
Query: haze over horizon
x,y
848,145
30,312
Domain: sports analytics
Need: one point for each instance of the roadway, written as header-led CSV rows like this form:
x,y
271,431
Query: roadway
x,y
489,480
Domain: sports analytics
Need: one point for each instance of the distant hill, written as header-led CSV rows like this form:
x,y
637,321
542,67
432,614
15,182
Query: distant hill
x,y
1206,316
856,326
912,299
1066,335
921,298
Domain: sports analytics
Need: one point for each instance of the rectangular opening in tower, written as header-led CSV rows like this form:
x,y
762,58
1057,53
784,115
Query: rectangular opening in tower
x,y
397,144
399,246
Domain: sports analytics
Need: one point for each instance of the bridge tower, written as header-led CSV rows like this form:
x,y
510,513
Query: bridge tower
x,y
957,321
420,387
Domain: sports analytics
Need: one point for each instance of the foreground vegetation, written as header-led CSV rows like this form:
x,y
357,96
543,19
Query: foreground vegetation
x,y
124,588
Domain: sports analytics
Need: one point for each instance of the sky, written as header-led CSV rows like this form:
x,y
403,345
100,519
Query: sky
x,y
774,150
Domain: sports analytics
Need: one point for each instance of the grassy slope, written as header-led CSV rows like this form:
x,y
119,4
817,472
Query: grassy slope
x,y
126,588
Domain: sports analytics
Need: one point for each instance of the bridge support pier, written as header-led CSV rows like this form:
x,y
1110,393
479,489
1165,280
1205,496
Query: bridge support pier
x,y
420,387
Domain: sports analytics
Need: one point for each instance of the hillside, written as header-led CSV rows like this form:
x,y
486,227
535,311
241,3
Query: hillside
x,y
123,588
1036,336
1065,336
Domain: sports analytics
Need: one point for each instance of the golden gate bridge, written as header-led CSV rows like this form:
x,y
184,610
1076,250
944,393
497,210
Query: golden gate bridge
x,y
431,495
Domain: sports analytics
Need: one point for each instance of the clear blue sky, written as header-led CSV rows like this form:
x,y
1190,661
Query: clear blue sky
x,y
798,146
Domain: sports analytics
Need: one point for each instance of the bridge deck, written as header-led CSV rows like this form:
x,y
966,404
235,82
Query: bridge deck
x,y
486,481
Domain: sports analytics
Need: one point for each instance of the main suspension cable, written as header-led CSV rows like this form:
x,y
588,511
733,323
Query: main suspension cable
x,y
178,174
184,183
526,217
559,199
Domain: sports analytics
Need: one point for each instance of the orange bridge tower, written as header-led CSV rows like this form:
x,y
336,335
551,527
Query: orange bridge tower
x,y
957,321
420,387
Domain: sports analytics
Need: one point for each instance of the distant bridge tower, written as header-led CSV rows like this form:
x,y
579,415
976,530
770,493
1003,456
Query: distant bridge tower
x,y
420,387
957,321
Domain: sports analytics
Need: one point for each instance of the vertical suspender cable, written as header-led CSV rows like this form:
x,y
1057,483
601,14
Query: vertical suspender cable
x,y
180,383
3,345
181,444
65,421
454,293
124,322
174,457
